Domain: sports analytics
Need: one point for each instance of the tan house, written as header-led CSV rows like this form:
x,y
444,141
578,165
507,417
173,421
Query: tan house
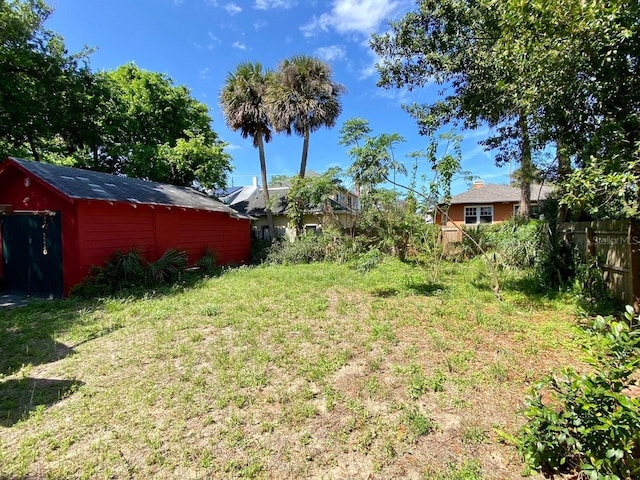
x,y
250,201
487,204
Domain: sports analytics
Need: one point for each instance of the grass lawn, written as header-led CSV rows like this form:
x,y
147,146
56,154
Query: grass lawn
x,y
311,371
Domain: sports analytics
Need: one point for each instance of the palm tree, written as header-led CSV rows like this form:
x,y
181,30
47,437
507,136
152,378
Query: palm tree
x,y
244,108
302,98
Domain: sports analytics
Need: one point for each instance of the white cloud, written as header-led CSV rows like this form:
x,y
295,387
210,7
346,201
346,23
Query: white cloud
x,y
267,4
232,8
330,53
369,70
360,16
259,24
204,74
177,3
239,45
399,96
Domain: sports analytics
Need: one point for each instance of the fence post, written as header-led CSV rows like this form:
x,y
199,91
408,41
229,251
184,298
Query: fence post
x,y
634,250
591,247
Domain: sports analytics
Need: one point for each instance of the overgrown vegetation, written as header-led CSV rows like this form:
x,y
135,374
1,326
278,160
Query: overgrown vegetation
x,y
330,245
131,270
590,422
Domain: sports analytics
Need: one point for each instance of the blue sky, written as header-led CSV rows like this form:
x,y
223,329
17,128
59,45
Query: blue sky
x,y
198,42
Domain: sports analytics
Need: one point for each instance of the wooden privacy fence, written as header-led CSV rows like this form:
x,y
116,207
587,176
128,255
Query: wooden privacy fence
x,y
450,235
617,243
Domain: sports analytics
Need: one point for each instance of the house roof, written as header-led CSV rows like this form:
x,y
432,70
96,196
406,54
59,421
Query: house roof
x,y
495,193
250,201
76,183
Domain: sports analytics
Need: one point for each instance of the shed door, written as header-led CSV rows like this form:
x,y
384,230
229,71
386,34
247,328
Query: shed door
x,y
32,254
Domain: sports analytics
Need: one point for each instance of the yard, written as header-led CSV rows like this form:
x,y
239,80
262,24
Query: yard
x,y
309,371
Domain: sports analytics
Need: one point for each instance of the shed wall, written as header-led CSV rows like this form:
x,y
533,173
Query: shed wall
x,y
152,230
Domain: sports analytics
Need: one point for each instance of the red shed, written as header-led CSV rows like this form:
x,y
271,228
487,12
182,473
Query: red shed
x,y
59,221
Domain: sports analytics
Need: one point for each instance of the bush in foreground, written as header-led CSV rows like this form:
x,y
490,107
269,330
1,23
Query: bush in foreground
x,y
589,423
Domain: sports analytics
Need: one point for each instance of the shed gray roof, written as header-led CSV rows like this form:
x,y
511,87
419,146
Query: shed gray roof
x,y
494,193
82,184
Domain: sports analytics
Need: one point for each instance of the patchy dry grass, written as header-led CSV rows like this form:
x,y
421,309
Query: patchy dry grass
x,y
309,371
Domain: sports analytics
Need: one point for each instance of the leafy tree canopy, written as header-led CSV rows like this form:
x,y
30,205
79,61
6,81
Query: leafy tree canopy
x,y
302,97
556,72
45,93
128,121
154,129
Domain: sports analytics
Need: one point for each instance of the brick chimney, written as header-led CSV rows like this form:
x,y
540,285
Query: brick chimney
x,y
478,183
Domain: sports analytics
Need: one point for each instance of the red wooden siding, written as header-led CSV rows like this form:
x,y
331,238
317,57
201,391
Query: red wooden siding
x,y
228,238
107,228
195,231
34,196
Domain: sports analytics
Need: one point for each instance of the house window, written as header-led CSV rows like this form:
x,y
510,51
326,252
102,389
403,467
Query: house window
x,y
478,215
266,236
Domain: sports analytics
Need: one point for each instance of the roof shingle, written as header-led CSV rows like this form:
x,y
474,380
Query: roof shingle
x,y
79,184
494,193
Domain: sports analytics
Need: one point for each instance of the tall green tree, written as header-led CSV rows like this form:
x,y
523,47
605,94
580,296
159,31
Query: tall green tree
x,y
561,73
243,102
149,125
45,93
455,44
303,98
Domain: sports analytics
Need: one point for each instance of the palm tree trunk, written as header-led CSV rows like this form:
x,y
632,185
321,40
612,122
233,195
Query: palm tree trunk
x,y
305,152
526,167
265,188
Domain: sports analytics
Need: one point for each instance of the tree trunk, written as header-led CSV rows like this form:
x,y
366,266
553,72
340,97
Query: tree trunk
x,y
265,188
34,149
305,152
564,162
526,167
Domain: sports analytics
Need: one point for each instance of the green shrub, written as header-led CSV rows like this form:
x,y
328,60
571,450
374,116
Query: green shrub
x,y
369,260
208,264
475,241
307,248
168,268
516,242
119,272
330,245
259,250
128,270
589,423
